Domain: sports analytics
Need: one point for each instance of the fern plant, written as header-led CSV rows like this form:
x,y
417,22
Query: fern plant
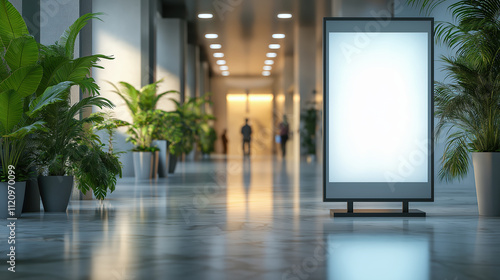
x,y
99,169
468,104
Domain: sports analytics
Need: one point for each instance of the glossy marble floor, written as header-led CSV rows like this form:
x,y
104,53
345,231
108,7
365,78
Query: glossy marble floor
x,y
251,219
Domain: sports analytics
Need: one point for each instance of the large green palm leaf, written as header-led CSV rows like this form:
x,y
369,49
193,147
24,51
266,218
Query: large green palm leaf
x,y
68,38
24,80
51,95
21,52
11,110
12,24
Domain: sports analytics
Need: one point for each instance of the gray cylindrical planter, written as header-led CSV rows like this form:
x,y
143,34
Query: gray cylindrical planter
x,y
20,188
162,158
172,163
32,194
145,165
55,192
487,175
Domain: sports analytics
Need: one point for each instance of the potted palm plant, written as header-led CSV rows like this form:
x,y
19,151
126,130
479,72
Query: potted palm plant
x,y
142,106
63,147
468,106
20,107
62,143
185,127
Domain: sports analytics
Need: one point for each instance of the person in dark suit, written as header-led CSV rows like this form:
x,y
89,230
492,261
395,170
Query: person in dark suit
x,y
284,132
246,131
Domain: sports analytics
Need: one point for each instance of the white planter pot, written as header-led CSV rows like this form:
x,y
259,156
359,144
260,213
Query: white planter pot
x,y
145,165
487,175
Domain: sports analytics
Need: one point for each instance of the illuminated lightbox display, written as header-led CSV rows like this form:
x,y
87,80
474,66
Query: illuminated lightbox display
x,y
378,109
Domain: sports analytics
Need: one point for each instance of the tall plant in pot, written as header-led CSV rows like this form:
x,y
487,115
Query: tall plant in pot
x,y
468,106
20,107
62,144
142,105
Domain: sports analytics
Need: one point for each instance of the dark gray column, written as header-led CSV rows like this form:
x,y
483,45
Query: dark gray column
x,y
149,10
32,16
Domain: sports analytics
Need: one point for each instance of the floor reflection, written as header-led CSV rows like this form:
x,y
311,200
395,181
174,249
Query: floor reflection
x,y
388,257
259,218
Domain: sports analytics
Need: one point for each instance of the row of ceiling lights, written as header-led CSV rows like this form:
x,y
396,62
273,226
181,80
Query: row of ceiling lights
x,y
269,62
219,55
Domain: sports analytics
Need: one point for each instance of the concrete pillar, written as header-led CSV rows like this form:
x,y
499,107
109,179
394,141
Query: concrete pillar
x,y
304,75
171,57
119,35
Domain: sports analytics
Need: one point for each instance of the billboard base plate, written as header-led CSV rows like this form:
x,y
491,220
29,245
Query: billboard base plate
x,y
376,213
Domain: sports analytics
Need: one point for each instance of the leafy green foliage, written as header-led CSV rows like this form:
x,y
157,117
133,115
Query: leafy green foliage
x,y
60,145
20,76
207,138
468,106
99,169
308,134
12,24
142,106
186,125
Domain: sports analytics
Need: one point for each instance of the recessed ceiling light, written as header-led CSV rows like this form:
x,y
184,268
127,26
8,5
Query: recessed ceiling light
x,y
224,68
221,62
218,54
271,54
215,46
205,16
284,15
268,68
268,62
211,36
274,46
278,36
266,73
225,73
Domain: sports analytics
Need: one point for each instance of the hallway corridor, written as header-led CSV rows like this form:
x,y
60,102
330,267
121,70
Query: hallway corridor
x,y
252,219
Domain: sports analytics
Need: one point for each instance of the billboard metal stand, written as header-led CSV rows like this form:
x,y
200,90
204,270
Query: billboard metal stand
x,y
351,212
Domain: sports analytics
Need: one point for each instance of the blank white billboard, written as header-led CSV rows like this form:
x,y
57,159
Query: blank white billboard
x,y
378,109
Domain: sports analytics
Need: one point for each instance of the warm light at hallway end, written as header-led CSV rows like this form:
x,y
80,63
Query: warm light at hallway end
x,y
236,97
261,97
